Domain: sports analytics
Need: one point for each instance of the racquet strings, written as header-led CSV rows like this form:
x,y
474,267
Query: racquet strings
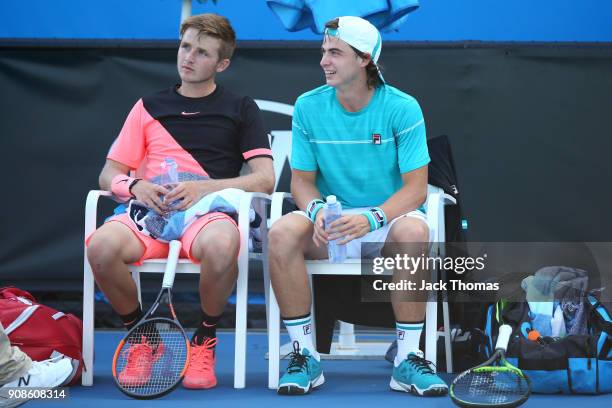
x,y
491,387
157,346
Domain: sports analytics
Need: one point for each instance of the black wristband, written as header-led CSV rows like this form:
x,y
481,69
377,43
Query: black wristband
x,y
132,184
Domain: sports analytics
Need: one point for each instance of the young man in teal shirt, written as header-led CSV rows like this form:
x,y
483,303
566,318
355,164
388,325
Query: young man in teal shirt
x,y
363,141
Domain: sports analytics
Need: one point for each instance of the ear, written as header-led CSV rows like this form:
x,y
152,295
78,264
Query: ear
x,y
365,60
222,65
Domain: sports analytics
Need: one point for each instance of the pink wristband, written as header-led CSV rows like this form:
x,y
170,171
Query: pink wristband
x,y
120,186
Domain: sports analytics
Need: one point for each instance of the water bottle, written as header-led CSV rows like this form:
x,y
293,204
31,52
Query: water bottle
x,y
169,176
333,211
169,173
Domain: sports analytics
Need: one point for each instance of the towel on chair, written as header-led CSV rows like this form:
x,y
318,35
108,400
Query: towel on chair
x,y
173,225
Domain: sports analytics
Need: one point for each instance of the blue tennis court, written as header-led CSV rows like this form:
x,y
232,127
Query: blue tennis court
x,y
493,119
355,383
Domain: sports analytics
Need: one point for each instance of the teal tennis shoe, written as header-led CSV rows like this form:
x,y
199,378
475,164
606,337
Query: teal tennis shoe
x,y
415,375
304,373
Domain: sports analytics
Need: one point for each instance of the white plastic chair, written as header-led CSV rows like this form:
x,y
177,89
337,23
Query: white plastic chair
x,y
436,200
184,266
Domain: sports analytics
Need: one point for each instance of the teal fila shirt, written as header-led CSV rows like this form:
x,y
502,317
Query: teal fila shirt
x,y
359,156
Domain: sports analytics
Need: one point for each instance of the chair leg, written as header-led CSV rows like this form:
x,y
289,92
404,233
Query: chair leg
x,y
265,260
431,330
88,323
312,313
445,314
431,318
447,337
346,338
241,318
273,340
136,278
267,285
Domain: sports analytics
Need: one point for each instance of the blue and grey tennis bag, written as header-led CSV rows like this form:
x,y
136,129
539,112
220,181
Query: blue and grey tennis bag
x,y
573,364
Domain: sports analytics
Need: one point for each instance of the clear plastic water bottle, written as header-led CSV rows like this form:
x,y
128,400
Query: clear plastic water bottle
x,y
333,211
169,176
169,173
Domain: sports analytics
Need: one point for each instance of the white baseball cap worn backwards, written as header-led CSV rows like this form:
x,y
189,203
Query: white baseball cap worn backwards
x,y
360,34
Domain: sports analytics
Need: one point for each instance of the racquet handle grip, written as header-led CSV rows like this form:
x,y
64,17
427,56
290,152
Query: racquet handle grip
x,y
504,337
171,262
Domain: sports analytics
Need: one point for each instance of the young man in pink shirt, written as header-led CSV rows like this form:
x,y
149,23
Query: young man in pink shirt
x,y
210,132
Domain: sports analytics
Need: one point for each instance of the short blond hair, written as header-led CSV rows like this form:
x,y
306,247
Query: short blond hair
x,y
215,26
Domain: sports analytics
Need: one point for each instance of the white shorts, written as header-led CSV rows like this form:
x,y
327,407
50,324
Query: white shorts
x,y
353,248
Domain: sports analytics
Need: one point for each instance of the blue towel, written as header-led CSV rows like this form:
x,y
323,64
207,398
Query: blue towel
x,y
172,226
296,15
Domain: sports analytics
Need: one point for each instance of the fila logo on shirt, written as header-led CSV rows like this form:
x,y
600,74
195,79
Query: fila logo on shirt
x,y
376,139
307,329
400,334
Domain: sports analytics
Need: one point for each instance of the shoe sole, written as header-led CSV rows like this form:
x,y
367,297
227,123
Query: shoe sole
x,y
199,387
294,389
433,391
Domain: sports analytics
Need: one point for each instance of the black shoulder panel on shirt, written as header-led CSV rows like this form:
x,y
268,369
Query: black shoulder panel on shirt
x,y
207,128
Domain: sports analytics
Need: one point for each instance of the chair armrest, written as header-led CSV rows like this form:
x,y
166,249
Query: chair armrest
x,y
246,200
448,199
436,200
91,209
276,210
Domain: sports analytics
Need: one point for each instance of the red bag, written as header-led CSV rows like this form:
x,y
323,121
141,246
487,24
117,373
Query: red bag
x,y
40,331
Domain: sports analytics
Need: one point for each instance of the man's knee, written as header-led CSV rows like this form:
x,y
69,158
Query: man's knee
x,y
279,236
287,234
102,250
107,245
217,244
225,243
409,229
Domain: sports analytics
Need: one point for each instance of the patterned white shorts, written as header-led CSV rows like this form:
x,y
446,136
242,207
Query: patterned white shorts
x,y
353,248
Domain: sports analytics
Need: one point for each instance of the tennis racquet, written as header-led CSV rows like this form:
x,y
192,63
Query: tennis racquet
x,y
494,383
152,358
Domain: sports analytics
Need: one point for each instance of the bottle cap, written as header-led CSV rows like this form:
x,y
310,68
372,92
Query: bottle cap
x,y
331,199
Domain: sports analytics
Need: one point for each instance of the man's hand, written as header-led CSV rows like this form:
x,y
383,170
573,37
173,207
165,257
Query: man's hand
x,y
150,195
319,236
348,227
188,193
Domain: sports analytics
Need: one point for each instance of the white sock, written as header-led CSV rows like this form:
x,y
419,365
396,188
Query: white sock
x,y
408,336
300,330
